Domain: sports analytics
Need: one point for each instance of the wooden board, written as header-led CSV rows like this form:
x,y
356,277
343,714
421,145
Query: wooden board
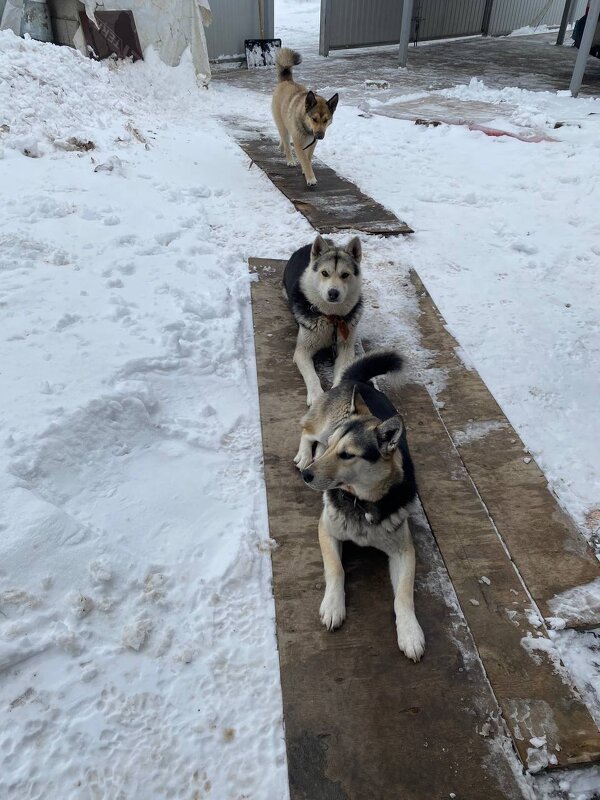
x,y
333,205
362,721
534,692
551,555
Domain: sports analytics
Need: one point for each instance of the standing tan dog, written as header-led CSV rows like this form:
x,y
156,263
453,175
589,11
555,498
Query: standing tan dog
x,y
299,114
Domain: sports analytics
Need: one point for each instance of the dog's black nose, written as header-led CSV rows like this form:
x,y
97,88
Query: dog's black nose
x,y
320,135
307,476
333,295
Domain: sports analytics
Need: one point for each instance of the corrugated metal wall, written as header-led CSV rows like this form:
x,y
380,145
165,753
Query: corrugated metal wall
x,y
363,23
356,23
437,19
359,23
234,21
510,15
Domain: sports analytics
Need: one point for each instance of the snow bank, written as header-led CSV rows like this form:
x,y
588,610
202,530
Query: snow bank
x,y
137,645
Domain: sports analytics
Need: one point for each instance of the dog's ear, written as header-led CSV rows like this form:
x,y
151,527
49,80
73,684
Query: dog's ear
x,y
319,247
354,249
357,404
332,102
311,101
389,434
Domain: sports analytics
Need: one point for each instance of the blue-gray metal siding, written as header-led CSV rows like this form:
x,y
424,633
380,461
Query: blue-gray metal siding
x,y
363,23
510,15
441,20
234,21
358,23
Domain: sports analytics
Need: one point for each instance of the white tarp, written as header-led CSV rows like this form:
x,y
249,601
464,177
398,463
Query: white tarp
x,y
170,26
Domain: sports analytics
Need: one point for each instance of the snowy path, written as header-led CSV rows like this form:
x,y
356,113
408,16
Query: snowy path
x,y
131,500
507,237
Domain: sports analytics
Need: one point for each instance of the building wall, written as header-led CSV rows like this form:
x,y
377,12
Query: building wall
x,y
65,19
234,21
510,15
441,20
357,23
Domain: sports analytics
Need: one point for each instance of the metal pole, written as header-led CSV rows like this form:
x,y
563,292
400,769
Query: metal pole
x,y
324,31
564,21
261,18
584,47
407,11
487,16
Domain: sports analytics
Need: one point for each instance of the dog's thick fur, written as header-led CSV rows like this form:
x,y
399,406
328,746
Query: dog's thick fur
x,y
364,469
322,284
299,114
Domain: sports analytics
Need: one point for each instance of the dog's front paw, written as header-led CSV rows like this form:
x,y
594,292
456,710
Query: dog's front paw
x,y
291,162
313,395
411,639
333,609
302,461
312,181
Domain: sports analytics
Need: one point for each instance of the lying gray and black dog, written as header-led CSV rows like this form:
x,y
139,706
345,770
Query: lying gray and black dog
x,y
322,284
364,469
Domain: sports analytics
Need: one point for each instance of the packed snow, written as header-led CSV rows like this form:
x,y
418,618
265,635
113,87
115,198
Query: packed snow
x,y
137,643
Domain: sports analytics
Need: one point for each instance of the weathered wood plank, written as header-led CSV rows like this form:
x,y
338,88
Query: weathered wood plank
x,y
334,204
361,720
534,693
551,555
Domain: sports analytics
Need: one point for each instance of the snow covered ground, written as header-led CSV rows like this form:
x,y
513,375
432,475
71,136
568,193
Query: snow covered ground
x,y
136,616
134,551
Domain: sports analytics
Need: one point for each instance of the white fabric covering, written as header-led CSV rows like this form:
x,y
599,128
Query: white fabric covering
x,y
170,26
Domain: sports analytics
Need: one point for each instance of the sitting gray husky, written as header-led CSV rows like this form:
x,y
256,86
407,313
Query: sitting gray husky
x,y
322,284
365,471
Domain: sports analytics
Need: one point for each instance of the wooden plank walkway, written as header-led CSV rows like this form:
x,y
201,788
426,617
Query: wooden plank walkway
x,y
550,553
318,668
361,720
334,204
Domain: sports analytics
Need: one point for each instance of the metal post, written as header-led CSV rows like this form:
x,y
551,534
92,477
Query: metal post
x,y
564,22
268,20
261,18
324,31
407,12
487,16
584,47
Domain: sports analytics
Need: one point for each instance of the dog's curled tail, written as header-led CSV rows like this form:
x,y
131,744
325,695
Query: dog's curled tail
x,y
372,365
286,59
